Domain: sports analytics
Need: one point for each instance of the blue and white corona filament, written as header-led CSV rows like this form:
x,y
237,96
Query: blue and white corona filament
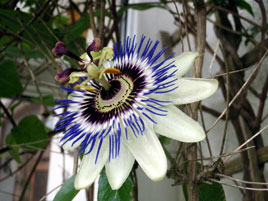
x,y
118,102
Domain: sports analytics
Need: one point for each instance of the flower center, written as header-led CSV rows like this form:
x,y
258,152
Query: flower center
x,y
116,96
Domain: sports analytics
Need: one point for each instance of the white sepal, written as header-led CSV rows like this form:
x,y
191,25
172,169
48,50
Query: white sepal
x,y
178,126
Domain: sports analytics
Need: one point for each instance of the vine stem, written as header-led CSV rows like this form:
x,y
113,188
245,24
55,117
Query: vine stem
x,y
200,11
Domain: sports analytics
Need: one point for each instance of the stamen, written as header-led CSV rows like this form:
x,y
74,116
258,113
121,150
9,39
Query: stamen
x,y
112,71
83,87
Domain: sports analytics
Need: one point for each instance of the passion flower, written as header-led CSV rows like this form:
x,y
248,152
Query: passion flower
x,y
120,100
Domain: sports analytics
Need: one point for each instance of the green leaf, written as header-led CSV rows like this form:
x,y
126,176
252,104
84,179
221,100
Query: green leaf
x,y
60,20
28,52
211,192
105,193
48,100
164,140
14,151
30,131
242,4
9,80
67,191
207,192
77,29
15,21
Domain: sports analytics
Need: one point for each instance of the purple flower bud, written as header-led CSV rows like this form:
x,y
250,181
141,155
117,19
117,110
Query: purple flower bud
x,y
64,76
94,46
59,49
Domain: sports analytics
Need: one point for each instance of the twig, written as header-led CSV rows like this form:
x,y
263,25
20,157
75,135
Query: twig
x,y
30,175
44,197
227,111
241,181
8,193
213,58
10,158
244,87
17,170
42,9
238,148
8,114
227,154
33,78
235,166
204,127
185,13
232,72
241,187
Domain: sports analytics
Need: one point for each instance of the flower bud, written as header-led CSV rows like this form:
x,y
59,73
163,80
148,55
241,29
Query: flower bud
x,y
59,49
64,76
95,45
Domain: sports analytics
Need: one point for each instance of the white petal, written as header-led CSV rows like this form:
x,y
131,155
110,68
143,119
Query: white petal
x,y
88,170
178,126
189,90
69,145
183,62
118,169
149,153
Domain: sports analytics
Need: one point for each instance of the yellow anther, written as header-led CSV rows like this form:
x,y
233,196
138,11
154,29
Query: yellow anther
x,y
109,70
112,71
83,87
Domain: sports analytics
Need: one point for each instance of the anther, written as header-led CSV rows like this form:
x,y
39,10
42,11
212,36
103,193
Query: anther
x,y
83,87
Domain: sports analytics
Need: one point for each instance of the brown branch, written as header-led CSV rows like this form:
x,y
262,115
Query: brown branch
x,y
200,14
91,18
263,14
263,97
233,13
101,23
115,25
